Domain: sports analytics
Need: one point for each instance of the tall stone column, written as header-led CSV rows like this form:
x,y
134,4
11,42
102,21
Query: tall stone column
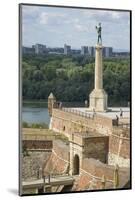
x,y
98,67
98,97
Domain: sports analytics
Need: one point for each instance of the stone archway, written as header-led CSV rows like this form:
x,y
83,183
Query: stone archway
x,y
76,165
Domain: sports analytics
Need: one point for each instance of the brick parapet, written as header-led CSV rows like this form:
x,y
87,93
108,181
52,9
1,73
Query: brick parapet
x,y
68,122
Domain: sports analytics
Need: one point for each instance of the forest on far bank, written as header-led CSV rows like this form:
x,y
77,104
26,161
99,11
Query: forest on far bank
x,y
71,78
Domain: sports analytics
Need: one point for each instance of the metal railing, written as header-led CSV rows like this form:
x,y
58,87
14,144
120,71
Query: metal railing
x,y
78,112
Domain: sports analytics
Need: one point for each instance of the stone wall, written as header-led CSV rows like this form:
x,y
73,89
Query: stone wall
x,y
96,147
37,144
92,172
119,148
33,164
58,162
67,122
119,138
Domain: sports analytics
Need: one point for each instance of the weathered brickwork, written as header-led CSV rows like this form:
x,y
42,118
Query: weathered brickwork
x,y
69,122
121,146
90,175
119,149
58,162
119,138
37,144
96,147
87,147
92,172
61,149
115,159
125,149
33,164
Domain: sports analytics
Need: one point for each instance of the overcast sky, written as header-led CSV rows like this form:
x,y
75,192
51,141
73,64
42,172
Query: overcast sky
x,y
56,26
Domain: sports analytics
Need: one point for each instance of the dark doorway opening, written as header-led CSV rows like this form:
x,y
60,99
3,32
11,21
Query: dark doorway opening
x,y
76,165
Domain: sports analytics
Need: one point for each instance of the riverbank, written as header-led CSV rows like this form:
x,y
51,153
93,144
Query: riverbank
x,y
35,103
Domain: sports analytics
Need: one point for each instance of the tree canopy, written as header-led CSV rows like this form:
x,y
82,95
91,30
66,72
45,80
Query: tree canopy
x,y
71,78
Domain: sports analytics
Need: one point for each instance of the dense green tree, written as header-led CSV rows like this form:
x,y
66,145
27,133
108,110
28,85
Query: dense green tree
x,y
71,78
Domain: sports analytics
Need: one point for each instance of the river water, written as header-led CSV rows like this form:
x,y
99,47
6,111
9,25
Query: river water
x,y
35,114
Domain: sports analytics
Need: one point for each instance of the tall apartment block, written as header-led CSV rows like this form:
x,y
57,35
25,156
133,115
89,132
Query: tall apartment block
x,y
39,48
67,49
84,50
107,52
28,50
91,51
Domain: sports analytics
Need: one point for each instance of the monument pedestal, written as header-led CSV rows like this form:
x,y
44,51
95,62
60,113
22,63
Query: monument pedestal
x,y
98,100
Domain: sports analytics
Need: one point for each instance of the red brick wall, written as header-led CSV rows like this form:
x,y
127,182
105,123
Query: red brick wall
x,y
57,163
61,149
92,172
61,121
98,124
114,143
96,147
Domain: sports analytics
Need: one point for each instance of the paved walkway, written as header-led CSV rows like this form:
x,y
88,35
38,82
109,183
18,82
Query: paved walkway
x,y
111,113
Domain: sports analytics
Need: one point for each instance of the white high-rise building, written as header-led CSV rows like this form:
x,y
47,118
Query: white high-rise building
x,y
91,51
40,48
67,49
107,52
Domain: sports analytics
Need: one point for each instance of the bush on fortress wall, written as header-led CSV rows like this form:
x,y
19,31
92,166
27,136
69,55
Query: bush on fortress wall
x,y
34,125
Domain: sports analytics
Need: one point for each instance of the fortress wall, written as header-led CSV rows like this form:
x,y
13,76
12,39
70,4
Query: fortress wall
x,y
59,160
33,163
55,165
37,144
119,146
119,150
125,149
61,149
67,122
97,168
92,172
96,147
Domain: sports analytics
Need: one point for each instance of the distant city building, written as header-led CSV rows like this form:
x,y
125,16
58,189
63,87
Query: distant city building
x,y
91,51
56,50
67,49
75,51
121,54
28,50
107,52
84,50
40,48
